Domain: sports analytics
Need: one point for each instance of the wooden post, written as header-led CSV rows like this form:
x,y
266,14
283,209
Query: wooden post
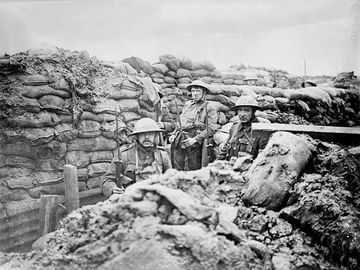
x,y
48,208
72,200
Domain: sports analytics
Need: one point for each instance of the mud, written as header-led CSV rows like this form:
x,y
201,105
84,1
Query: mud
x,y
179,220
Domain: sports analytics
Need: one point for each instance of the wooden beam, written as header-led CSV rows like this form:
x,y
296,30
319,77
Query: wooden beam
x,y
344,135
48,208
72,200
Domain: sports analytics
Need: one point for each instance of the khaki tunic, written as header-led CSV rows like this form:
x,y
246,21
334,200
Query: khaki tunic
x,y
137,165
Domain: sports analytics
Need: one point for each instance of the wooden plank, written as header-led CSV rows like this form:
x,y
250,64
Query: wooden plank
x,y
72,200
48,209
345,135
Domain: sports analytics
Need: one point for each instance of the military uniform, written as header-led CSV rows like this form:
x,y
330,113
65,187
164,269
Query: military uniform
x,y
137,165
193,121
165,118
240,140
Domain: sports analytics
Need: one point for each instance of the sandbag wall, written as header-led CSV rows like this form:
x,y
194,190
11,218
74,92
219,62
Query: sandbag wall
x,y
322,105
58,107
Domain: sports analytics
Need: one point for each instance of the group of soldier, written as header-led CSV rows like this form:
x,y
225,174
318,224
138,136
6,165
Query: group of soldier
x,y
188,139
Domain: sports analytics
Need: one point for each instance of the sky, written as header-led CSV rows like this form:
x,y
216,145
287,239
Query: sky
x,y
281,34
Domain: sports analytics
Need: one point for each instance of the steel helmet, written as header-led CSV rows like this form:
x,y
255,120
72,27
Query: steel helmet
x,y
145,125
246,101
250,76
199,83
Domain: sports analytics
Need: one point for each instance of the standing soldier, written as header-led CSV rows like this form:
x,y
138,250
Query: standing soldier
x,y
240,138
137,161
197,124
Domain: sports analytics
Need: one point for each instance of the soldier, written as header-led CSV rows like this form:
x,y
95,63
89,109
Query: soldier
x,y
250,79
197,124
240,138
136,161
163,117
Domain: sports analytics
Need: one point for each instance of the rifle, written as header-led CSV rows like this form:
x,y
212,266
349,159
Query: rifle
x,y
118,162
162,143
205,144
178,115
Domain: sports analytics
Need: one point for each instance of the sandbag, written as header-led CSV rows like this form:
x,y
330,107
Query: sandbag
x,y
100,156
160,68
20,162
200,73
89,145
32,136
79,159
205,65
169,80
232,75
51,102
65,132
219,106
170,61
267,102
89,129
263,90
39,120
231,90
276,169
123,105
97,169
123,94
30,104
139,65
18,149
332,91
185,62
101,117
309,93
39,91
157,75
184,80
181,73
121,67
34,80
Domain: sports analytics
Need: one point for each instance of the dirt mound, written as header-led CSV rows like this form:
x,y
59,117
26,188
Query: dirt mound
x,y
191,220
327,204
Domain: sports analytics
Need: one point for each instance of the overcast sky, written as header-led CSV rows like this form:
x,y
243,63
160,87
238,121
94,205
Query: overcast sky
x,y
271,33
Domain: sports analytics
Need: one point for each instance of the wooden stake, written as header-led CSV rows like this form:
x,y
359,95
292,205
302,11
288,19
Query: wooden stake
x,y
72,201
48,208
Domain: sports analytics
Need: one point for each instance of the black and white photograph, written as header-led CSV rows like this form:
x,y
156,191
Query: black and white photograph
x,y
180,135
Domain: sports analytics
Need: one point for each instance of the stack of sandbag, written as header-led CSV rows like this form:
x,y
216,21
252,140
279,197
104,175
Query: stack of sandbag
x,y
60,108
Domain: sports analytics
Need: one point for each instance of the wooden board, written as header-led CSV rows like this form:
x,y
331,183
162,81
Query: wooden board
x,y
344,135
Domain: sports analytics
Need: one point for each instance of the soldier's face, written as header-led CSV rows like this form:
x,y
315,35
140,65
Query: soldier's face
x,y
197,93
245,114
147,139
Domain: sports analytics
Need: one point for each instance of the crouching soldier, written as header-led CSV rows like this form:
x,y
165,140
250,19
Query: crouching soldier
x,y
137,161
197,123
240,138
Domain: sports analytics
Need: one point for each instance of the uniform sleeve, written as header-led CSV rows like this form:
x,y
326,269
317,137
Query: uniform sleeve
x,y
166,161
169,124
108,181
212,119
224,150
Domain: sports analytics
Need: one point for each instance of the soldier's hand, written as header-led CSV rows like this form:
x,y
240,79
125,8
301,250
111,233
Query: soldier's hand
x,y
189,142
172,138
118,190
